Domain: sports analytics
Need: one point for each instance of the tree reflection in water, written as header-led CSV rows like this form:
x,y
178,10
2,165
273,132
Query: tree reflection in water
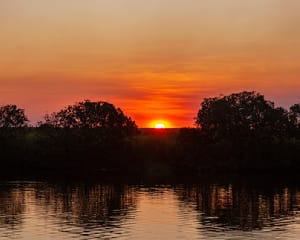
x,y
242,208
12,210
107,210
12,206
85,206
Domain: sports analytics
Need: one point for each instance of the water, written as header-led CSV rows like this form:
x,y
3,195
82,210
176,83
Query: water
x,y
41,210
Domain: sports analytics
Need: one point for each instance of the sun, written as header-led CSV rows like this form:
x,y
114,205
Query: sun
x,y
159,125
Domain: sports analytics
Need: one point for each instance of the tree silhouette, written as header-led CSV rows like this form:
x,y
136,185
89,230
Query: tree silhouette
x,y
240,131
295,114
13,123
241,114
89,114
12,117
89,134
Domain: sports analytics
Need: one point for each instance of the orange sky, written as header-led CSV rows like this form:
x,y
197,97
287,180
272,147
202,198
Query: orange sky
x,y
154,59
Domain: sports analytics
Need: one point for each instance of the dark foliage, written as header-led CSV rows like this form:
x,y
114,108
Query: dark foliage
x,y
85,137
13,123
235,133
294,115
89,115
241,131
12,117
88,134
245,114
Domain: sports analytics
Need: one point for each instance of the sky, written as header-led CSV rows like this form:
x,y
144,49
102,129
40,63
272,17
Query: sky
x,y
156,60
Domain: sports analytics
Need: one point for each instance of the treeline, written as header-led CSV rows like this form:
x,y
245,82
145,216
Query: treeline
x,y
242,131
239,132
87,137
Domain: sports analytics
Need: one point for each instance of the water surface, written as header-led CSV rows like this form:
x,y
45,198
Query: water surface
x,y
42,210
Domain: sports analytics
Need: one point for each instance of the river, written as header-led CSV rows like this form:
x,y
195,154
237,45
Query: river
x,y
44,210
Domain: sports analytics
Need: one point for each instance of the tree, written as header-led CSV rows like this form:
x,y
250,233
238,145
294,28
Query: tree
x,y
241,114
12,117
295,114
12,124
91,115
89,134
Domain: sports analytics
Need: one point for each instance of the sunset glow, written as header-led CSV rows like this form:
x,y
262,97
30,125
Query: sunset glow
x,y
160,124
153,59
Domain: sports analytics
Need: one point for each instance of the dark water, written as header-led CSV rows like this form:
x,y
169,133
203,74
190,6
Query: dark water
x,y
41,210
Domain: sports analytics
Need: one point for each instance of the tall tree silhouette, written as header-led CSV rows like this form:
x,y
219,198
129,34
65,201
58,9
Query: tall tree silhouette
x,y
13,122
295,114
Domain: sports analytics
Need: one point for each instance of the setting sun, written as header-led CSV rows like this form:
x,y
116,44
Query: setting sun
x,y
160,124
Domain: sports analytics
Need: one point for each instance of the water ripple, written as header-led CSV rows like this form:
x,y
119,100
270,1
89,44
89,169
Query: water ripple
x,y
40,210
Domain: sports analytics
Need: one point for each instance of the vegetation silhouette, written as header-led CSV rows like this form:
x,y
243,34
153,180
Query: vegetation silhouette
x,y
91,136
13,124
241,131
242,115
235,133
12,117
89,114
